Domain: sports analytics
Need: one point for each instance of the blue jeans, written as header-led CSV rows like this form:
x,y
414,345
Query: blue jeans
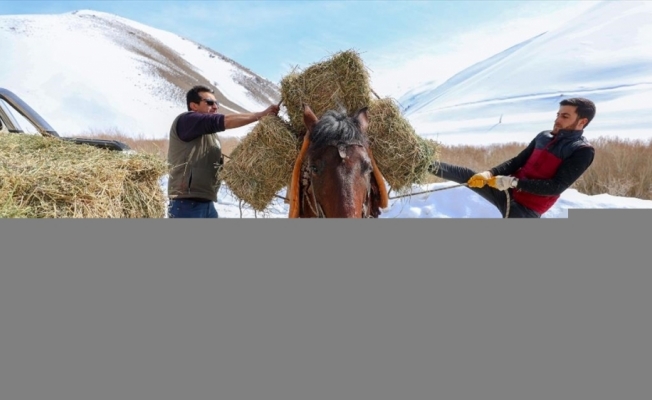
x,y
187,208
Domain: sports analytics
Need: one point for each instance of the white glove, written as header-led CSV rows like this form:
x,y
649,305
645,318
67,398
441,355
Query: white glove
x,y
479,180
502,182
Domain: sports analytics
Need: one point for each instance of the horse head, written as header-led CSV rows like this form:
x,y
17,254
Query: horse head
x,y
335,175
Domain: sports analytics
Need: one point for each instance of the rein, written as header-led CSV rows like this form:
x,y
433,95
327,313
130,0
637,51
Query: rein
x,y
320,213
429,191
452,187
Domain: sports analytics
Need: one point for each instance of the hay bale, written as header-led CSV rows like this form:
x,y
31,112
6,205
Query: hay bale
x,y
403,157
261,164
45,177
342,81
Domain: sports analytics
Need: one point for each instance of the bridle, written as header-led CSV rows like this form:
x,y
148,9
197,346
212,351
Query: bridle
x,y
307,183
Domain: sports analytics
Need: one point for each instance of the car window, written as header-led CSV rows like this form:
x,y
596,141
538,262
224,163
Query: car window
x,y
22,123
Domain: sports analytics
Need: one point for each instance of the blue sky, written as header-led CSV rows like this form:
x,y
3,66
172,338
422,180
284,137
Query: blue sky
x,y
402,42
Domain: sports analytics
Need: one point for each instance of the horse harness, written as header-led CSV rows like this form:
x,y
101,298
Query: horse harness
x,y
307,184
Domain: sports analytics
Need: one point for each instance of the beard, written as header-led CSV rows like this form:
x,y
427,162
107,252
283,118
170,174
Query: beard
x,y
556,128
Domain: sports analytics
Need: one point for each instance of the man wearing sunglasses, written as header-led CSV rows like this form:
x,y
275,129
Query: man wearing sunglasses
x,y
195,153
540,173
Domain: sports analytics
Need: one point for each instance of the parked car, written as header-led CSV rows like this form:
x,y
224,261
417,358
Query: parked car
x,y
10,104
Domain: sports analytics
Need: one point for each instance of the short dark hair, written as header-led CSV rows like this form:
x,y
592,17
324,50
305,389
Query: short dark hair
x,y
585,107
193,94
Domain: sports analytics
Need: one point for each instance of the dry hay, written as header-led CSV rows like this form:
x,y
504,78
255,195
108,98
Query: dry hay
x,y
403,157
261,165
342,81
46,177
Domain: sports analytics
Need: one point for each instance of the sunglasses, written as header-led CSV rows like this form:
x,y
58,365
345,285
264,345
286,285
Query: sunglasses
x,y
210,102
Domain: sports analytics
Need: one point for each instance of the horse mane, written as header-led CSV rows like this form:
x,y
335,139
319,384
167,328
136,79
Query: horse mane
x,y
336,126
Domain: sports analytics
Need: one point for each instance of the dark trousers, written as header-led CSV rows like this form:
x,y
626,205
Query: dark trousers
x,y
189,208
496,197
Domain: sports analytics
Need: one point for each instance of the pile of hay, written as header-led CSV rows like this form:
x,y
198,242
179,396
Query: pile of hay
x,y
46,177
342,81
402,156
261,164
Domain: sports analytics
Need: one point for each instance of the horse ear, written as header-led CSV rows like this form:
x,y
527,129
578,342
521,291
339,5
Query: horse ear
x,y
309,117
362,116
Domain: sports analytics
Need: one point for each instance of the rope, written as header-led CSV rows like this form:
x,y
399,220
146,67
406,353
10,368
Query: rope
x,y
405,195
429,191
452,187
425,191
508,204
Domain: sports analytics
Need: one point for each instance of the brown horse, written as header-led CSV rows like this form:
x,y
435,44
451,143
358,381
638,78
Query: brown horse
x,y
335,175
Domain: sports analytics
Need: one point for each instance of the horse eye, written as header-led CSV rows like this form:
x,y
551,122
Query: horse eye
x,y
314,169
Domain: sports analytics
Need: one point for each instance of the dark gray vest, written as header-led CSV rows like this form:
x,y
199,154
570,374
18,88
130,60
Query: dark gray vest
x,y
193,166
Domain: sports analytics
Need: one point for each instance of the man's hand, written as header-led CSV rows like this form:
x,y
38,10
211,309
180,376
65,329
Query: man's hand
x,y
271,110
237,120
479,180
502,182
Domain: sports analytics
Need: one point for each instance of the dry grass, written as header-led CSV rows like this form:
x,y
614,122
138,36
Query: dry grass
x,y
45,177
340,82
228,146
403,157
621,167
157,147
262,163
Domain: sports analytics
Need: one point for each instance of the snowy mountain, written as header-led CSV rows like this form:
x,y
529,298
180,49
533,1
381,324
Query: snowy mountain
x,y
92,71
604,55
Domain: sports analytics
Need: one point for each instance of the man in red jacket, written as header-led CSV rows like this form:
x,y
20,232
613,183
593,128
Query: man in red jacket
x,y
538,175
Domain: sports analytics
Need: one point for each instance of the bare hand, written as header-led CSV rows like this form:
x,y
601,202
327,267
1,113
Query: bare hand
x,y
271,110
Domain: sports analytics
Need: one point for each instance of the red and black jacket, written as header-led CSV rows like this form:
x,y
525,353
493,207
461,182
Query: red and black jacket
x,y
548,166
